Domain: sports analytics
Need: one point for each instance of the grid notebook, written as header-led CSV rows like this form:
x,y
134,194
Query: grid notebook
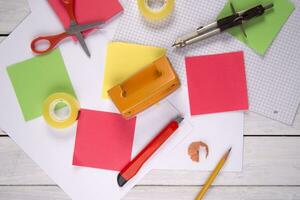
x,y
273,79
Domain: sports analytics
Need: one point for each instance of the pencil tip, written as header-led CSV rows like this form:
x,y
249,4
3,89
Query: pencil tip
x,y
229,150
226,154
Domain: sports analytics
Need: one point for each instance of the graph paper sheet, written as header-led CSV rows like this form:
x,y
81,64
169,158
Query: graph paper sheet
x,y
273,79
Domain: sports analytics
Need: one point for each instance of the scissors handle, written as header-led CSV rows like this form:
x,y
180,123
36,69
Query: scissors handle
x,y
69,6
52,40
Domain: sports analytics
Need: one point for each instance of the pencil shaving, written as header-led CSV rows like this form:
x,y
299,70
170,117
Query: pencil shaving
x,y
194,150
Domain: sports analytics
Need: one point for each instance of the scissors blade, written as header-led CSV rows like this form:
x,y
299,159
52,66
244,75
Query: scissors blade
x,y
82,43
84,27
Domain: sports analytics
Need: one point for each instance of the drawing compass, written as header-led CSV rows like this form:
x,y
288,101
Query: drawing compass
x,y
236,19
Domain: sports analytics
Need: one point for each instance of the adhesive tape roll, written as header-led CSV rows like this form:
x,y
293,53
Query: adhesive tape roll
x,y
154,14
51,106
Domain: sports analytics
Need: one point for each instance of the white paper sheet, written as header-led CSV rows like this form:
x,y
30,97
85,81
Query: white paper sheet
x,y
52,150
219,131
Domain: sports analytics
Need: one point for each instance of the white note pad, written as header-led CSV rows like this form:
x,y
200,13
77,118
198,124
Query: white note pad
x,y
273,79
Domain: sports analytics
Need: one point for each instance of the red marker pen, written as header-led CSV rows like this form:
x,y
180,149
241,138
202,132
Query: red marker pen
x,y
135,165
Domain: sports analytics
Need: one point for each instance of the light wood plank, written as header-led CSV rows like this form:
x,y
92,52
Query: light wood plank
x,y
12,12
32,193
215,193
158,193
267,161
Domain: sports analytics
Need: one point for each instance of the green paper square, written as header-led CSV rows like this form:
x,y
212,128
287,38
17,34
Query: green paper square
x,y
37,78
261,31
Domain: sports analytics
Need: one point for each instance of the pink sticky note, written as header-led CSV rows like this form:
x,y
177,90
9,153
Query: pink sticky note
x,y
103,140
217,83
87,11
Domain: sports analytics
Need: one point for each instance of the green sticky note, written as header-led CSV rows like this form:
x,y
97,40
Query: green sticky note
x,y
37,78
262,30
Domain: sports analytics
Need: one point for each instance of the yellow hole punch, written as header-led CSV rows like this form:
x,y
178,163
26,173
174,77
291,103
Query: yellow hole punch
x,y
145,88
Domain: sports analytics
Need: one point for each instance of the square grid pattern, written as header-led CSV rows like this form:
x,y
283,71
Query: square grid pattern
x,y
273,79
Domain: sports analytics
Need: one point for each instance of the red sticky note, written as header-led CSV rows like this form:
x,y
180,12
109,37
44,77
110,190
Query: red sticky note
x,y
103,140
87,11
217,83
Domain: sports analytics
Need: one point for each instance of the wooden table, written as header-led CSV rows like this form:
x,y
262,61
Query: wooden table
x,y
271,167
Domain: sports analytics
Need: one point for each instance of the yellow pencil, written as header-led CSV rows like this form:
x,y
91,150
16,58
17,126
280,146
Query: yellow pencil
x,y
213,175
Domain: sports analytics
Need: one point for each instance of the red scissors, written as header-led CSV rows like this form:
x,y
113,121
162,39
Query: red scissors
x,y
73,30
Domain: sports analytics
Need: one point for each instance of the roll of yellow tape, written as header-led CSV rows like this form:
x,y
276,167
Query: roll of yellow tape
x,y
50,108
154,14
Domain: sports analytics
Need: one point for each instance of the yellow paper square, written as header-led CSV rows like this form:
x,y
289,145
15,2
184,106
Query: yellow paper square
x,y
124,60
